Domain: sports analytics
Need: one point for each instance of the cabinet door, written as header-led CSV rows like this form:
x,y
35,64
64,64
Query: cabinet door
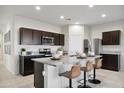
x,y
26,36
37,37
61,39
106,38
104,61
28,66
114,62
115,36
56,39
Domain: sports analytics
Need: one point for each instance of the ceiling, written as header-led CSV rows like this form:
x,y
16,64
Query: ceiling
x,y
78,13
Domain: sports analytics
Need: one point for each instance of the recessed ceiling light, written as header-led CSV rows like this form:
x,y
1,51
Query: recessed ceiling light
x,y
103,15
76,23
91,5
61,17
37,7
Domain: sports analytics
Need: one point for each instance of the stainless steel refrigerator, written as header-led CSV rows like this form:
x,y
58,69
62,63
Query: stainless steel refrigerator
x,y
94,45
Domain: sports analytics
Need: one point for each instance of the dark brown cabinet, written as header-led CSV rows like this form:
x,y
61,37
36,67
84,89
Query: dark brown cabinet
x,y
61,39
26,36
56,39
111,38
36,37
47,34
111,62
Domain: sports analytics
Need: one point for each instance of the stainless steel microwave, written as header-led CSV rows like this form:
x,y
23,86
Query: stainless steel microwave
x,y
47,40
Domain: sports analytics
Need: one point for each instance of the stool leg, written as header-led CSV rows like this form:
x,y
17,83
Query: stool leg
x,y
94,80
94,75
84,86
84,79
70,83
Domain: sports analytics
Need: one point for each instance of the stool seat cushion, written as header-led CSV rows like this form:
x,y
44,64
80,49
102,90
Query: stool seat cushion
x,y
98,64
88,67
66,74
73,73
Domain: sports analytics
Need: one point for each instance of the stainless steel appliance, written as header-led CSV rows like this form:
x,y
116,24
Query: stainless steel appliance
x,y
95,46
47,40
46,52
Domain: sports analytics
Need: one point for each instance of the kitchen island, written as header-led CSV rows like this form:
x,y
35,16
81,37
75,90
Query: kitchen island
x,y
46,71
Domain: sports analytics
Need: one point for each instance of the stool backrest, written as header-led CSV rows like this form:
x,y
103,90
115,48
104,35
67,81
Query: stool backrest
x,y
98,63
75,71
89,66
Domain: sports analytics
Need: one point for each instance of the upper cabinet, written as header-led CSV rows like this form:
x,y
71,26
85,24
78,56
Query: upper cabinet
x,y
47,34
26,36
111,38
56,39
61,39
34,37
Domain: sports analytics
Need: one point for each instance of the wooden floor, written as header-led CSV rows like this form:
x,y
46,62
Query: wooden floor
x,y
110,79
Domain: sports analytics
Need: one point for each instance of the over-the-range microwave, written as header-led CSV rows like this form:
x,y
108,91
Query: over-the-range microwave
x,y
47,40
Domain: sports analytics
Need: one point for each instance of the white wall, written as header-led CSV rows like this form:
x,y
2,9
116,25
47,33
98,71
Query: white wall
x,y
76,37
66,33
97,33
8,59
1,48
87,32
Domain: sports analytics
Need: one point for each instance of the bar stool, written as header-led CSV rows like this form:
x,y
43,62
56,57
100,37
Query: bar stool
x,y
97,65
72,74
87,68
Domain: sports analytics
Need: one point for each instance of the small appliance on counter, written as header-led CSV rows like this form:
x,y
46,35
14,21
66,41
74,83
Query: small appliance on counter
x,y
45,51
29,52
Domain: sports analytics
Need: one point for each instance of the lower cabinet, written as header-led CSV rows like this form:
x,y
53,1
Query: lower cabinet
x,y
27,65
111,62
38,75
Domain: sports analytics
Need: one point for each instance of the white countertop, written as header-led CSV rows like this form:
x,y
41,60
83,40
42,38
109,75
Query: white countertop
x,y
64,60
110,52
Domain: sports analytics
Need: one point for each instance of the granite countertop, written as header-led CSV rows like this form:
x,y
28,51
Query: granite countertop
x,y
64,60
110,52
34,54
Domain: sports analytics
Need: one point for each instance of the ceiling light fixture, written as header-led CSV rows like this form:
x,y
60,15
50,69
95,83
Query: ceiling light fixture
x,y
61,17
103,15
91,5
37,7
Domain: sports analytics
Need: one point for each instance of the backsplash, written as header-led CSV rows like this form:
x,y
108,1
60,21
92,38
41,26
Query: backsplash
x,y
35,48
111,48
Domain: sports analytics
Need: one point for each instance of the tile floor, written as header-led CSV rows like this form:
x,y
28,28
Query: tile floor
x,y
8,80
110,79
